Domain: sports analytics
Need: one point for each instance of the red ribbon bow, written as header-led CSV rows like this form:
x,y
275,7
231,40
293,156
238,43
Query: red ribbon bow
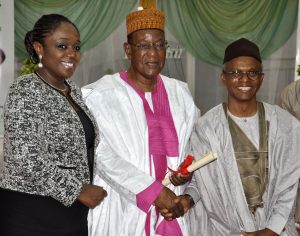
x,y
183,167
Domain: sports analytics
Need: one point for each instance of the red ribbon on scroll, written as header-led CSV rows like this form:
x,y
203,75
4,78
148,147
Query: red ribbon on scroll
x,y
183,167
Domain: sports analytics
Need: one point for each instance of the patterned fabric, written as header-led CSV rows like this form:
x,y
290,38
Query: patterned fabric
x,y
150,18
44,141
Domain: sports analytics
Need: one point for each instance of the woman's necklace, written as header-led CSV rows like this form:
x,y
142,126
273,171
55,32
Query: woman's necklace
x,y
64,90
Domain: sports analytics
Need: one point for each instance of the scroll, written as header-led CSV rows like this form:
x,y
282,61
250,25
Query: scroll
x,y
195,165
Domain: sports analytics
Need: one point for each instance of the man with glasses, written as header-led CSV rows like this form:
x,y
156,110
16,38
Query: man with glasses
x,y
146,120
251,188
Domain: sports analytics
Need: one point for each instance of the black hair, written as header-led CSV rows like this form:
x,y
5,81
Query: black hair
x,y
43,28
129,38
2,56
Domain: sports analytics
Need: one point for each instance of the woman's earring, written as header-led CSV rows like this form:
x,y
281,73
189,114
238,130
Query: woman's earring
x,y
40,65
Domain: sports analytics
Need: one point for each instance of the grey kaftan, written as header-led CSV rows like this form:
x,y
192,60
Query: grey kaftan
x,y
222,207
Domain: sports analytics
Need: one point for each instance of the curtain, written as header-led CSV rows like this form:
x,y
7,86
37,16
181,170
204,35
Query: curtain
x,y
95,19
215,23
205,28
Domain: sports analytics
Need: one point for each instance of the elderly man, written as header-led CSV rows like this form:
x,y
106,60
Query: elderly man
x,y
146,120
251,188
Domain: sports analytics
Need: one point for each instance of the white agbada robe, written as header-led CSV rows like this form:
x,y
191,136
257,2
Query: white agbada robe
x,y
221,207
122,164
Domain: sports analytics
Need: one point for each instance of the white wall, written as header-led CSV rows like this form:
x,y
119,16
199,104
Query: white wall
x,y
297,62
7,67
7,45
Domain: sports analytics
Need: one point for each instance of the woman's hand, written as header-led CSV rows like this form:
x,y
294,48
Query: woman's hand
x,y
91,195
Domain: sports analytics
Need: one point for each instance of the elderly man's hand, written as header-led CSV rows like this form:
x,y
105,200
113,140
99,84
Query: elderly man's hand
x,y
263,232
168,200
184,200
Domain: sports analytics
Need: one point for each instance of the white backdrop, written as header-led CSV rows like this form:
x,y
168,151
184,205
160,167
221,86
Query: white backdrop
x,y
7,45
7,66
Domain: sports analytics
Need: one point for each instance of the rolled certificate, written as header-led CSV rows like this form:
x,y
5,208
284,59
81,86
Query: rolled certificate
x,y
196,165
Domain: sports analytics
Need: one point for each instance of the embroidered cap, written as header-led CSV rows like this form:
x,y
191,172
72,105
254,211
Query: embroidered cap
x,y
241,47
150,18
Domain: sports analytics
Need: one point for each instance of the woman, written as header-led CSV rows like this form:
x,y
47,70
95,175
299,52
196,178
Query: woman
x,y
49,140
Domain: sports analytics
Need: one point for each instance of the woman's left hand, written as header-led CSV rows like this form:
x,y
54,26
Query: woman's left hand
x,y
179,179
91,195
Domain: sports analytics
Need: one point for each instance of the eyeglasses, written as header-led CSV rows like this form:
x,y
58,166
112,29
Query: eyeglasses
x,y
237,75
157,46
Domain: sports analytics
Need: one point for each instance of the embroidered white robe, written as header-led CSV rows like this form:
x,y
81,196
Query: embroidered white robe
x,y
122,164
